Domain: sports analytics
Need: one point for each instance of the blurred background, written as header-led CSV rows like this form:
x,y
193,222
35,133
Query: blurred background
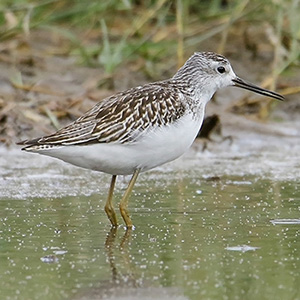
x,y
216,224
59,57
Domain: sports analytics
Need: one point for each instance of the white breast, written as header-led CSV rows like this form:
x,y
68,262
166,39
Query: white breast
x,y
152,149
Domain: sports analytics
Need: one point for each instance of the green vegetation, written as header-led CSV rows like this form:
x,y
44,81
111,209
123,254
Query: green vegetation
x,y
109,33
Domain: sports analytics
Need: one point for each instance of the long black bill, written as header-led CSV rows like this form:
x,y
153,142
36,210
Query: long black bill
x,y
254,88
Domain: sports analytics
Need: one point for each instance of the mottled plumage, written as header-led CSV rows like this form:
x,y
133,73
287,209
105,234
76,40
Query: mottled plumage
x,y
121,118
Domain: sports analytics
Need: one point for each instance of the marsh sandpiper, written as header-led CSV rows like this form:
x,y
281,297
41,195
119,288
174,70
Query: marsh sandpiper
x,y
143,127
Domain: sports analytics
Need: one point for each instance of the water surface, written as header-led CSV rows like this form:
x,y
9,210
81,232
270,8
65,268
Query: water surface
x,y
226,230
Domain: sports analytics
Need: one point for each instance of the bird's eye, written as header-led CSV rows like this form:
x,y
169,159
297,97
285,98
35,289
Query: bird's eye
x,y
221,70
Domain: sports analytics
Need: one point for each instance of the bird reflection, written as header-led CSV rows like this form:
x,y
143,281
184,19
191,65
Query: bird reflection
x,y
121,283
110,246
125,284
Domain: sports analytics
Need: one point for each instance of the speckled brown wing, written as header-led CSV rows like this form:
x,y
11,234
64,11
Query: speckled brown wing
x,y
121,118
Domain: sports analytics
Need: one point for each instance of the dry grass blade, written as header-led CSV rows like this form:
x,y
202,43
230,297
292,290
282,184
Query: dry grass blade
x,y
37,89
52,118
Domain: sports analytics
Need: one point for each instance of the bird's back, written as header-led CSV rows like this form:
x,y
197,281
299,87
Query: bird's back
x,y
120,118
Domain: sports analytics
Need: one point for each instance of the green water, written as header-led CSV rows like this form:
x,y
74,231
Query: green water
x,y
194,239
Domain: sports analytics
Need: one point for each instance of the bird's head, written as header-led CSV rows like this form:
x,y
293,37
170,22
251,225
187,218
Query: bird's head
x,y
208,71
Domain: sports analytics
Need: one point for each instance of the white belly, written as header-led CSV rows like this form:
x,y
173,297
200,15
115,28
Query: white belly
x,y
152,149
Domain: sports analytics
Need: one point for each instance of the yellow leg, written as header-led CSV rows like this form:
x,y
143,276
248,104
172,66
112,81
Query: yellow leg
x,y
109,209
124,201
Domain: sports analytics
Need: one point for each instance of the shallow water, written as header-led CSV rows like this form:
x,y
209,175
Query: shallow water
x,y
226,230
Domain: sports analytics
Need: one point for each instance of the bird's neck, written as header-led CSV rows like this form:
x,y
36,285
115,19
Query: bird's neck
x,y
198,90
196,83
194,98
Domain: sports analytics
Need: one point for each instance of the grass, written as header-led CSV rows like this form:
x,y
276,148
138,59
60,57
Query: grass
x,y
153,30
